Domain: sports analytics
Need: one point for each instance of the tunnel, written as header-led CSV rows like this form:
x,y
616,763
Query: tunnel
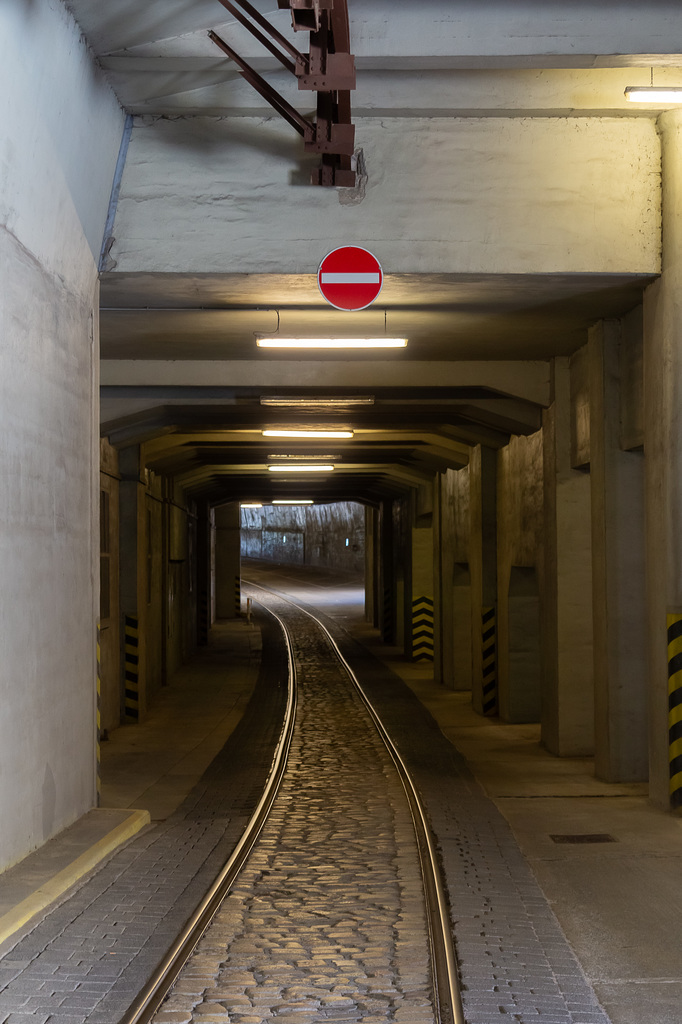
x,y
181,401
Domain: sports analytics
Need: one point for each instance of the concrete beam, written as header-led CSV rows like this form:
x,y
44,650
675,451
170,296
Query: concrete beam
x,y
528,195
525,379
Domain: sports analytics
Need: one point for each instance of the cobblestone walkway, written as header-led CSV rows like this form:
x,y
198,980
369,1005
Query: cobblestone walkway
x,y
326,922
88,958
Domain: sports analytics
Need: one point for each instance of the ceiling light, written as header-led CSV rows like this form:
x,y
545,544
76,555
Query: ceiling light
x,y
300,469
653,94
277,342
310,458
251,505
296,402
307,433
293,501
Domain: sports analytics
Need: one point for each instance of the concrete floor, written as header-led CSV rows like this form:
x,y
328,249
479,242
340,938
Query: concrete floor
x,y
619,903
155,764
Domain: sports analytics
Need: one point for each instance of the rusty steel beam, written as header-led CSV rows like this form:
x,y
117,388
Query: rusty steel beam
x,y
260,36
306,14
327,69
302,125
265,24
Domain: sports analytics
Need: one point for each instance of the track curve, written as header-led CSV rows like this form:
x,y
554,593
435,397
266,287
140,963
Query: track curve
x,y
335,911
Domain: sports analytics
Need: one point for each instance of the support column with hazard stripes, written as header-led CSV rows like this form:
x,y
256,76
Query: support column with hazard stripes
x,y
237,596
489,637
422,629
675,708
132,668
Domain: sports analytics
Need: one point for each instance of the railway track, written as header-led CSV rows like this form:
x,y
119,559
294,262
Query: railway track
x,y
331,908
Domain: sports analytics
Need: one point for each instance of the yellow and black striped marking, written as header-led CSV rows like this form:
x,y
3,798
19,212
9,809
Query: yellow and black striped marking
x,y
237,596
99,721
422,629
132,663
675,707
489,662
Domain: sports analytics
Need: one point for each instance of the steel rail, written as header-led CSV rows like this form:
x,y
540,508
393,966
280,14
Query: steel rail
x,y
445,972
153,993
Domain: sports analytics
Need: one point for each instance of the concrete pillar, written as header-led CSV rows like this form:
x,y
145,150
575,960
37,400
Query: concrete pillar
x,y
132,579
227,561
110,632
439,597
618,579
422,593
568,694
520,528
452,605
387,597
203,573
663,440
371,580
483,563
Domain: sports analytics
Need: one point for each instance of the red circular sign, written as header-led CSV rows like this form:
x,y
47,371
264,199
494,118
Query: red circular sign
x,y
350,278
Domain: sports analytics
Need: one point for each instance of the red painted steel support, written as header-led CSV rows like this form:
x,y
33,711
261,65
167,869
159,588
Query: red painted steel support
x,y
328,69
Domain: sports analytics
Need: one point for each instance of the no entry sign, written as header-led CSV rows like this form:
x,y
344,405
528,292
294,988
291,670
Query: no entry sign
x,y
350,278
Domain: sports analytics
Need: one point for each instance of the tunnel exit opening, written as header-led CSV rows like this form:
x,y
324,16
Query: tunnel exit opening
x,y
322,536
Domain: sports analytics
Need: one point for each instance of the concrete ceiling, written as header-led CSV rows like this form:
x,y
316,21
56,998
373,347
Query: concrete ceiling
x,y
181,371
444,316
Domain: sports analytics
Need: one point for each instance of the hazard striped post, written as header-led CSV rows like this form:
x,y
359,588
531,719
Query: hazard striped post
x,y
422,629
237,596
350,278
675,708
489,662
132,668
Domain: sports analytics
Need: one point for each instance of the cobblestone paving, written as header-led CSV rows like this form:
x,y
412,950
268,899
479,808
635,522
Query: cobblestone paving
x,y
89,957
515,961
326,922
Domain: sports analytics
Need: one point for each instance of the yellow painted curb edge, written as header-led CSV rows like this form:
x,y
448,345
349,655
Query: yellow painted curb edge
x,y
51,890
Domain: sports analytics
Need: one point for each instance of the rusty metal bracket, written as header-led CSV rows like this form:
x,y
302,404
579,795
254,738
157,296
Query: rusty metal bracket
x,y
302,125
328,69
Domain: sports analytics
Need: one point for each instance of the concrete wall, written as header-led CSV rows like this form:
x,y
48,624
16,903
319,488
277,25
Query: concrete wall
x,y
158,584
519,540
327,536
456,590
533,195
109,617
54,192
567,630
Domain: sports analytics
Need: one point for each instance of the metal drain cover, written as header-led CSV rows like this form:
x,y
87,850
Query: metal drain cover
x,y
590,837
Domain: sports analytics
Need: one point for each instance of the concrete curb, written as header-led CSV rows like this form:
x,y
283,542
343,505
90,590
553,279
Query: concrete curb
x,y
51,890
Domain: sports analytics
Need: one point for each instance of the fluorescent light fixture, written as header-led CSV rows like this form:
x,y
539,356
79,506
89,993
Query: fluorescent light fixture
x,y
321,401
250,505
307,433
277,342
300,469
309,458
653,94
293,501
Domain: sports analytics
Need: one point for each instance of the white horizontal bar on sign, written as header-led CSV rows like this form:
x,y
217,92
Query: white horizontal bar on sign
x,y
331,278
